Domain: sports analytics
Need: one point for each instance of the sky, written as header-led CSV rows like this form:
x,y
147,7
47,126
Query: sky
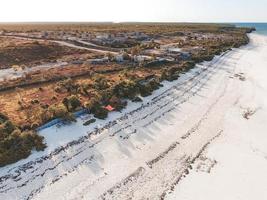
x,y
133,10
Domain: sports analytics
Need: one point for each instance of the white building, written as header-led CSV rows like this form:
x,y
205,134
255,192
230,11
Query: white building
x,y
139,59
119,58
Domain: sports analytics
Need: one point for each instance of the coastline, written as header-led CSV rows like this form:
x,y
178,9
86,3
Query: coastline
x,y
191,102
133,83
64,133
240,154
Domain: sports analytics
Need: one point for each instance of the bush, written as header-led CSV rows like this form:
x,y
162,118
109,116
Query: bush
x,y
83,89
170,74
74,102
91,104
71,103
137,99
188,65
105,96
34,125
126,89
14,144
95,108
58,111
3,118
9,127
100,82
154,84
18,145
164,75
45,116
90,121
100,112
146,89
67,85
69,117
117,103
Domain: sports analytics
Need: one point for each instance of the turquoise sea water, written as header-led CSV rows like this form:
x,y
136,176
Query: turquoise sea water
x,y
261,27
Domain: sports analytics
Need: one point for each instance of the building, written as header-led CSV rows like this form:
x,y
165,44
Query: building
x,y
139,59
99,61
103,36
119,58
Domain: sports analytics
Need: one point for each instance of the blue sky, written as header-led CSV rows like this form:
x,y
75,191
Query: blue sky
x,y
134,10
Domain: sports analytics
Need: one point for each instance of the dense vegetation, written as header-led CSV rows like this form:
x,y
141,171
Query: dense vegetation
x,y
16,144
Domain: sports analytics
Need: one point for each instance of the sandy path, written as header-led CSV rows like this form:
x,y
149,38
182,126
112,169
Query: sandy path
x,y
66,43
143,152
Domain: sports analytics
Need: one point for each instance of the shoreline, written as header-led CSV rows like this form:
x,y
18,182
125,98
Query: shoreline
x,y
101,92
61,128
184,106
131,107
239,156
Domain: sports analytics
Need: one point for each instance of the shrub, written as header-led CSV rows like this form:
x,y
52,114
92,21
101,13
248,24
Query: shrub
x,y
154,84
94,107
126,89
18,145
105,95
9,127
145,90
58,111
100,82
164,75
100,112
69,117
34,125
45,115
73,102
117,103
67,85
14,144
34,101
3,118
90,121
54,98
188,65
91,104
83,89
137,99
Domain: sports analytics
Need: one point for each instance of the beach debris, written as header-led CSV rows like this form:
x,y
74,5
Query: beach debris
x,y
205,164
240,76
90,121
248,113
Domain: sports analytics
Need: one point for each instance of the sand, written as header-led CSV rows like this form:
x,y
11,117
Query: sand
x,y
241,151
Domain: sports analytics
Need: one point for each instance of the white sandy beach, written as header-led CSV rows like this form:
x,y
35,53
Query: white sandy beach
x,y
241,151
189,140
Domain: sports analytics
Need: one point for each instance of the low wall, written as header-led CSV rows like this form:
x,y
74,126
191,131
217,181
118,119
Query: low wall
x,y
57,121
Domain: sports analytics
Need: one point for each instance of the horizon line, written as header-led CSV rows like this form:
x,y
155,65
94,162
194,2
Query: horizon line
x,y
123,22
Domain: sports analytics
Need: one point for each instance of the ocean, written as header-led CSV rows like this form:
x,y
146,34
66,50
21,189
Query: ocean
x,y
261,27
